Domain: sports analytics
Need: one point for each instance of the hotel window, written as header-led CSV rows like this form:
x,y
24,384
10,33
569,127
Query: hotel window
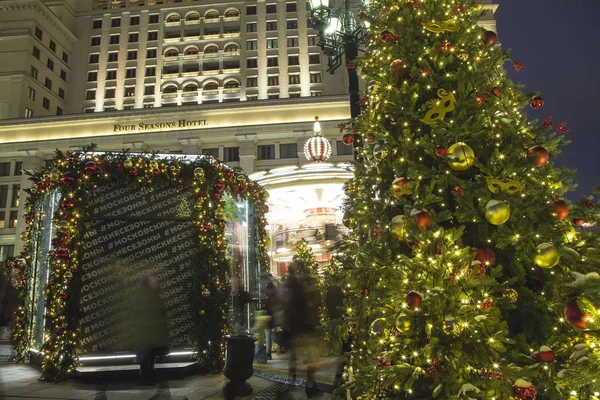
x,y
271,96
94,58
113,56
251,27
273,80
52,45
151,53
50,64
4,171
251,63
48,83
95,41
31,93
266,152
153,35
28,113
314,59
129,91
153,19
290,7
16,192
132,55
251,97
109,108
133,37
2,226
128,107
97,24
251,45
46,103
90,94
134,20
292,24
316,93
33,72
7,251
19,168
115,22
130,73
36,52
63,75
252,81
59,111
288,150
61,93
231,154
148,90
271,8
271,25
315,78
292,42
148,105
343,149
38,33
65,57
150,71
294,94
114,39
272,43
294,79
110,93
251,10
293,60
312,41
111,74
272,61
12,223
211,152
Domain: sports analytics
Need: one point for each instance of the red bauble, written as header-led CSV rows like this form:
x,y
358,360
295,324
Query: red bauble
x,y
524,390
90,167
62,253
348,139
589,203
536,102
459,191
441,151
578,221
370,137
485,256
365,292
216,195
546,354
66,204
385,36
228,173
156,172
218,185
422,218
489,38
64,296
576,317
68,178
205,228
496,91
537,155
559,209
414,299
133,171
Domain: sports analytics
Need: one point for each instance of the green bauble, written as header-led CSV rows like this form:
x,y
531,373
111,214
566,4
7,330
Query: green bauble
x,y
546,255
460,156
497,212
404,324
397,226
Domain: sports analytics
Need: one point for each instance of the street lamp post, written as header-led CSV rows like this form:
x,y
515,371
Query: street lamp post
x,y
339,37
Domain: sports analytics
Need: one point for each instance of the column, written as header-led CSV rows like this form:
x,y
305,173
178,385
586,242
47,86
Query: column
x,y
247,145
32,160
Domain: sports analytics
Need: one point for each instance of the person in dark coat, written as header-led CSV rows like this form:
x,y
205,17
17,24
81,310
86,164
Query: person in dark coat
x,y
152,331
271,304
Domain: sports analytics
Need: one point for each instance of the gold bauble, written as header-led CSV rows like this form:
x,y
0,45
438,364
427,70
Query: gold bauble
x,y
404,324
546,255
497,212
378,327
511,295
205,292
220,214
198,172
128,163
153,164
54,174
570,233
451,325
460,156
397,226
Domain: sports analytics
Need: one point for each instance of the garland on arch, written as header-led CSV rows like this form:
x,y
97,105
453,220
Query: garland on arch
x,y
75,175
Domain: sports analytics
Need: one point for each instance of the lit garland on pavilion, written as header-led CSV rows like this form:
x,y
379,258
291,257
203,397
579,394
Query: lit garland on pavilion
x,y
75,175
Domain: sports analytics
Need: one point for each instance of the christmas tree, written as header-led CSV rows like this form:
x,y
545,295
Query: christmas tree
x,y
458,276
304,259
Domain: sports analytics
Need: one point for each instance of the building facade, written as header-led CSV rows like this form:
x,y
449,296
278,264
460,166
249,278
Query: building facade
x,y
239,80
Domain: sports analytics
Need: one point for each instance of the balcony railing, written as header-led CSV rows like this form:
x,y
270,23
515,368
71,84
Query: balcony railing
x,y
190,93
232,18
231,34
191,73
172,39
167,75
169,95
173,23
212,35
191,22
231,90
231,70
191,56
211,20
210,92
211,55
231,53
210,72
170,58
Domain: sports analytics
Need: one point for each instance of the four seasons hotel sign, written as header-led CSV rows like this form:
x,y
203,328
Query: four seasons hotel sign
x,y
141,127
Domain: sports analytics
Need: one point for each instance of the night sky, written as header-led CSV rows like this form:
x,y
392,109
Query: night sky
x,y
557,41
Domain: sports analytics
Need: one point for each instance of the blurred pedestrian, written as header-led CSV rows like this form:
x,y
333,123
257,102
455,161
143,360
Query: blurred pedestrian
x,y
271,306
152,331
8,304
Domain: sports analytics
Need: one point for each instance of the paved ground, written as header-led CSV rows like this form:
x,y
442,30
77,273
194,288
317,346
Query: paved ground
x,y
18,381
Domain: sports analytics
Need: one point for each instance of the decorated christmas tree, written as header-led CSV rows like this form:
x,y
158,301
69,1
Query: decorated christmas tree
x,y
458,275
304,259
